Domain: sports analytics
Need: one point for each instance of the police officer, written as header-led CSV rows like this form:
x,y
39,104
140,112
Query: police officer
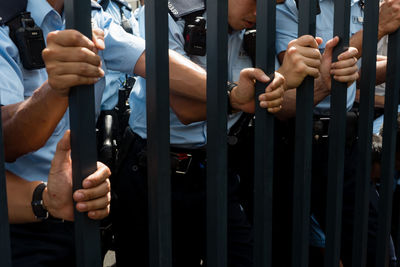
x,y
35,104
188,137
287,23
114,113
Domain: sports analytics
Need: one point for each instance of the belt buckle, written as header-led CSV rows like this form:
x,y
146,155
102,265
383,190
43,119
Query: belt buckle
x,y
183,161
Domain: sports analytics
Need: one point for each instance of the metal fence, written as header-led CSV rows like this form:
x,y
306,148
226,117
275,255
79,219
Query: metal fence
x,y
87,238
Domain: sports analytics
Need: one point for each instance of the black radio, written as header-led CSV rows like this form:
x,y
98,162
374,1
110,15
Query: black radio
x,y
28,37
195,37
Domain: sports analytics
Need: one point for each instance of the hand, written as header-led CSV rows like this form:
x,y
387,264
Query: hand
x,y
242,96
71,59
344,70
272,99
302,58
389,17
94,198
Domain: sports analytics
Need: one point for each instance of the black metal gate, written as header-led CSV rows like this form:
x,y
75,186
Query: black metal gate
x,y
87,238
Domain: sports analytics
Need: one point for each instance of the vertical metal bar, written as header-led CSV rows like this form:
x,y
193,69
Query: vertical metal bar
x,y
5,249
388,147
367,85
158,160
337,135
83,142
264,137
217,13
303,147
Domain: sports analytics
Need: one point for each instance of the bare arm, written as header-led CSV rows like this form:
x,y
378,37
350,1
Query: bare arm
x,y
381,63
32,120
190,110
389,21
71,59
186,78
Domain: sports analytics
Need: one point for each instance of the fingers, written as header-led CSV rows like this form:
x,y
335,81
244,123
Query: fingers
x,y
351,52
95,196
71,60
68,38
272,99
345,71
71,54
97,178
78,68
306,52
94,193
349,79
305,40
97,208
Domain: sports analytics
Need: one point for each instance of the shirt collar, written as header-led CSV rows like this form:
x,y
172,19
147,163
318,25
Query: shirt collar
x,y
352,2
39,10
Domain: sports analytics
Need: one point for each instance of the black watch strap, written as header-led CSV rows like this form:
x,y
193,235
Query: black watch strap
x,y
229,88
37,203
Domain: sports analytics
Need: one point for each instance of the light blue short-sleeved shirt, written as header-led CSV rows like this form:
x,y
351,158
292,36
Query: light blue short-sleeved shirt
x,y
115,79
286,30
195,134
17,83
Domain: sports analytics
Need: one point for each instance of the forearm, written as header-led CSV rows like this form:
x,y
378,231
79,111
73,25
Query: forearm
x,y
32,120
186,78
19,198
381,71
356,41
188,110
289,100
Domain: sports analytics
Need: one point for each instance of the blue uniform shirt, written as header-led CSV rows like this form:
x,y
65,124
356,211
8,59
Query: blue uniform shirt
x,y
115,79
286,30
195,134
17,84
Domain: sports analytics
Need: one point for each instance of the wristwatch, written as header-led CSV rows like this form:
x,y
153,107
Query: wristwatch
x,y
38,207
229,88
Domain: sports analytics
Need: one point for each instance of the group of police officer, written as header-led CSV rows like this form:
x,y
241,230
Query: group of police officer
x,y
34,103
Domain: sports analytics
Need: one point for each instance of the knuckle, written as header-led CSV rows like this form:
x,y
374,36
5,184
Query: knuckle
x,y
83,68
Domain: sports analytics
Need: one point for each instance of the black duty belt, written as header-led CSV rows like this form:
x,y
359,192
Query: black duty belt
x,y
321,128
182,159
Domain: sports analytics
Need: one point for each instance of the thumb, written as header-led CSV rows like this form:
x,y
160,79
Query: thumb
x,y
319,40
63,150
256,74
330,45
98,38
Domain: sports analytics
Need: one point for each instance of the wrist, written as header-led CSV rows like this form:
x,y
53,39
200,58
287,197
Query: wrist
x,y
38,206
233,105
381,32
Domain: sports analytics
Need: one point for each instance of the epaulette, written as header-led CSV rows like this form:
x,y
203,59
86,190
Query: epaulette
x,y
181,8
95,5
11,9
